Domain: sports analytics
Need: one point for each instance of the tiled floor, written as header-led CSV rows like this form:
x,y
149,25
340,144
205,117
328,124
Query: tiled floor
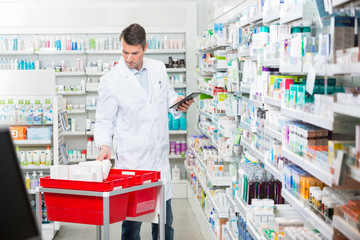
x,y
185,225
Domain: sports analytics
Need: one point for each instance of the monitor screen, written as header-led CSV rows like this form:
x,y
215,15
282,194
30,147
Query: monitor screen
x,y
17,219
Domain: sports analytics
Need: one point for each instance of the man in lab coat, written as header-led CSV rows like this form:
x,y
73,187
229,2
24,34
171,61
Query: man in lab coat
x,y
134,101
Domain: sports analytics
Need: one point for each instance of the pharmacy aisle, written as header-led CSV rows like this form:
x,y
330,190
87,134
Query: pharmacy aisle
x,y
277,150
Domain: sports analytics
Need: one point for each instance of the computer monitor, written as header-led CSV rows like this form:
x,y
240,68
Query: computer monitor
x,y
17,221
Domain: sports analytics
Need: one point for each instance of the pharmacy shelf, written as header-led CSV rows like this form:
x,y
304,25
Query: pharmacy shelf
x,y
205,114
92,91
91,108
76,133
221,213
309,215
346,109
177,86
256,153
337,3
273,17
245,90
176,157
244,53
273,101
71,93
272,63
90,133
76,111
210,137
175,70
205,91
103,52
297,69
198,157
228,232
275,172
165,51
317,171
247,126
178,132
35,168
355,173
32,125
291,17
32,142
256,103
219,181
68,52
241,204
188,168
214,47
90,73
273,133
69,74
31,191
207,71
309,118
232,201
253,231
16,52
203,221
345,228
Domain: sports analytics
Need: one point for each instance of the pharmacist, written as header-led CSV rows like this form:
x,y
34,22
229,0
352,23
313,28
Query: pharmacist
x,y
134,101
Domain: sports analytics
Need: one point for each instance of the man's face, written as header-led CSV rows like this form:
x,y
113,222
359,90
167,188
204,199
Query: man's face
x,y
133,55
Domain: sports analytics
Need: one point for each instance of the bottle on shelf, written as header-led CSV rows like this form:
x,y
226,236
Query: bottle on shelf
x,y
27,181
33,181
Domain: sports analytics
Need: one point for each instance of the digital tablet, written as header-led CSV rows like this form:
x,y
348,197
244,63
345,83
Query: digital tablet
x,y
190,97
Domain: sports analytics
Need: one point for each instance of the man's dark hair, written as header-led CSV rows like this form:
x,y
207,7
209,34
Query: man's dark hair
x,y
134,35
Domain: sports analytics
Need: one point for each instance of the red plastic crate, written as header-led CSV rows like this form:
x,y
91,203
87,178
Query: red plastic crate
x,y
143,201
86,209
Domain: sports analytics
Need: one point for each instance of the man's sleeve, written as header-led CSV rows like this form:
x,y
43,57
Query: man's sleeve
x,y
105,115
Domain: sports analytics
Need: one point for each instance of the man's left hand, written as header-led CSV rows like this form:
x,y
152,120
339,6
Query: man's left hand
x,y
185,106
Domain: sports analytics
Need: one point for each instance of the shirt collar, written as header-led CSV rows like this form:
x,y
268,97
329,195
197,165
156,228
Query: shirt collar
x,y
133,70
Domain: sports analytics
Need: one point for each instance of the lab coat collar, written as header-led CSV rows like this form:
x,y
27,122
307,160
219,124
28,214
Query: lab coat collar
x,y
129,74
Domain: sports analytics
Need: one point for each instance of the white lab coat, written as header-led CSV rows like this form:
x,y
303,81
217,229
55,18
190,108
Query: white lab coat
x,y
138,122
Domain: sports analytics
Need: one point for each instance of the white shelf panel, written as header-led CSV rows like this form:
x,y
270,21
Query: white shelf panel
x,y
345,228
229,233
310,216
253,231
355,173
273,133
273,17
244,54
214,47
32,142
91,108
309,118
68,52
76,133
256,153
205,91
205,114
345,109
176,157
232,200
75,111
291,17
247,126
219,181
271,169
272,63
336,3
273,101
178,132
35,168
241,204
165,51
207,71
177,86
245,90
256,103
296,69
16,52
71,93
317,171
69,74
88,73
175,70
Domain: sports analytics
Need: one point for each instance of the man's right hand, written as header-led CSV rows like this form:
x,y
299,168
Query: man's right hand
x,y
104,153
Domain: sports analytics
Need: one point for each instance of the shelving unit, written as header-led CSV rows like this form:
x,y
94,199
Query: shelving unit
x,y
345,228
272,101
175,70
273,133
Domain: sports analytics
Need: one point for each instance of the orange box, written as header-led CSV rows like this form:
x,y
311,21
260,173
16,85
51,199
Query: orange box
x,y
18,133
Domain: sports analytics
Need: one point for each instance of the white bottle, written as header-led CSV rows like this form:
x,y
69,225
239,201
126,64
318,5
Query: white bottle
x,y
48,156
41,175
89,148
166,42
175,173
33,181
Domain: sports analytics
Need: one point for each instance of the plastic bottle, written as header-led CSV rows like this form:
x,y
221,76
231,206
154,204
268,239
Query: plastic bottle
x,y
27,181
175,124
41,175
89,147
175,173
48,156
170,117
183,121
33,181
